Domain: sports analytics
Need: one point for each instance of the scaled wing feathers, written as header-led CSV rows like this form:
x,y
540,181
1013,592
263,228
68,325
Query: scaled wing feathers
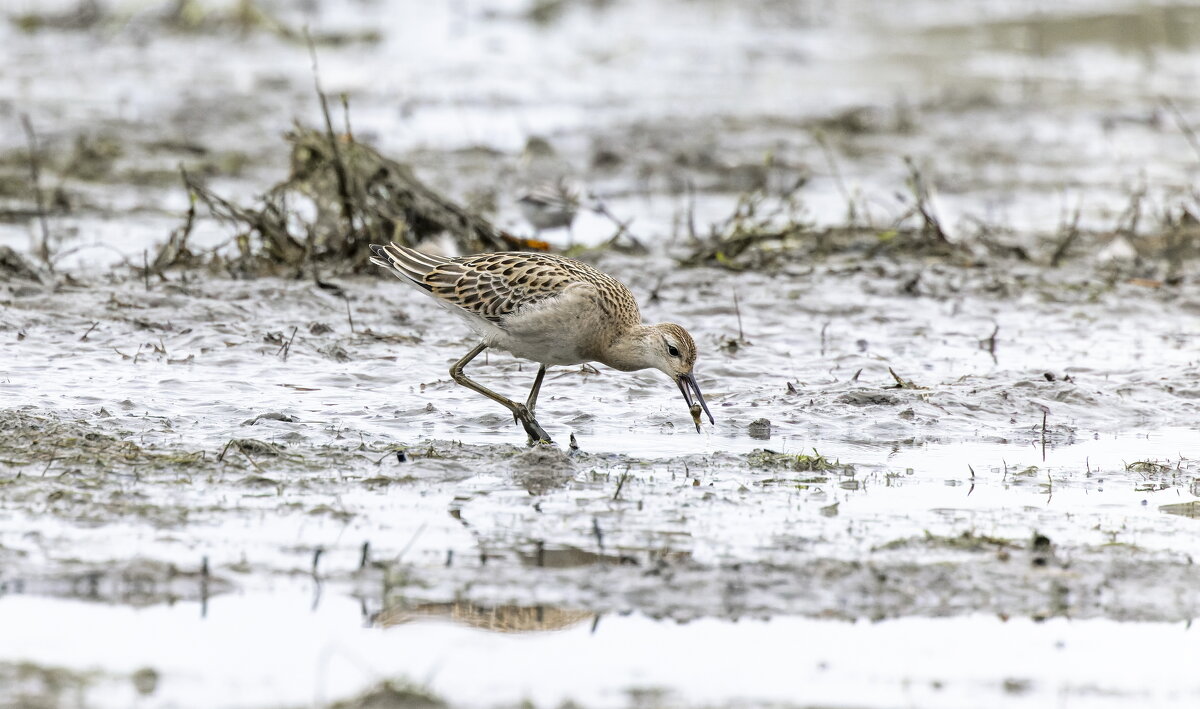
x,y
495,286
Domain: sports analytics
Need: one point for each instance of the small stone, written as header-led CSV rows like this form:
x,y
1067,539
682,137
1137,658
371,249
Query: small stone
x,y
335,352
271,416
145,681
867,397
760,429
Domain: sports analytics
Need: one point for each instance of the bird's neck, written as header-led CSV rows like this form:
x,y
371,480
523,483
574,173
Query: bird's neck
x,y
629,351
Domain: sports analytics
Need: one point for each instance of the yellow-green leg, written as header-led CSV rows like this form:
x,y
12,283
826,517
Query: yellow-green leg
x,y
537,387
522,413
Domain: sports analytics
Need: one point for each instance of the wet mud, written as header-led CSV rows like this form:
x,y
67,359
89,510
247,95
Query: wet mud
x,y
942,278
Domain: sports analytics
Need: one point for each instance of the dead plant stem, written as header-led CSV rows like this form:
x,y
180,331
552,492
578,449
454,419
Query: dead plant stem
x,y
339,167
35,173
1184,127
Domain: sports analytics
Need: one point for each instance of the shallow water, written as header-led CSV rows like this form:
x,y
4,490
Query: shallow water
x,y
951,488
301,656
1011,527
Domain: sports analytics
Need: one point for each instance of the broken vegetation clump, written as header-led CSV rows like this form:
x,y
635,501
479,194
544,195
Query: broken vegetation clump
x,y
798,462
339,197
754,235
764,231
1148,467
33,440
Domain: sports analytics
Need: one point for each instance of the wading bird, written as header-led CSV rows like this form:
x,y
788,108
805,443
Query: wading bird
x,y
551,310
551,205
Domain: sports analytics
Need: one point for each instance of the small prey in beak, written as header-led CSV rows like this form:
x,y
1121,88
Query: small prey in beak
x,y
687,385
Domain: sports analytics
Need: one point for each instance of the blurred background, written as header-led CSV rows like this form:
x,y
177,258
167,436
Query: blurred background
x,y
1016,114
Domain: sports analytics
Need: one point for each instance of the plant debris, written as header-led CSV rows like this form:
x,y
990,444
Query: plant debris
x,y
357,197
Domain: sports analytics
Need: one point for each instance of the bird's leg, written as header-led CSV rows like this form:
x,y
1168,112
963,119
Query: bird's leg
x,y
537,387
520,412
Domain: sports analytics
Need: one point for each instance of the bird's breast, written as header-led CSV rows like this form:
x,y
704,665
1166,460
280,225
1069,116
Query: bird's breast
x,y
569,329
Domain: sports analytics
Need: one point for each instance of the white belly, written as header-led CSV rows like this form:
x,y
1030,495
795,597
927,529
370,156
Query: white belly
x,y
565,330
546,339
562,331
549,350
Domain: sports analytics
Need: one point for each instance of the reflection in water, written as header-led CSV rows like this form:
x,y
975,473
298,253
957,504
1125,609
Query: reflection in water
x,y
295,657
1183,509
571,557
137,584
499,619
1137,29
568,557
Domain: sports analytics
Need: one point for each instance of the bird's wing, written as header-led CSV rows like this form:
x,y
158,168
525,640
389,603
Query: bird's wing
x,y
495,286
408,264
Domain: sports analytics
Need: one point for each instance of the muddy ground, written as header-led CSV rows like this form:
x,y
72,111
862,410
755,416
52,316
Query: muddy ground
x,y
948,334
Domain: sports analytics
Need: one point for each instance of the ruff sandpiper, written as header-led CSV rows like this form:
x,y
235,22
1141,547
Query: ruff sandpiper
x,y
550,205
551,310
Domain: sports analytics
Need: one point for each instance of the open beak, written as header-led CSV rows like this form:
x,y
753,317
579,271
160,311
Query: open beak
x,y
687,385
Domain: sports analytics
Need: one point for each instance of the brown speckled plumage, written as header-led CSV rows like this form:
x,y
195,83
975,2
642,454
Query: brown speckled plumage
x,y
549,309
495,286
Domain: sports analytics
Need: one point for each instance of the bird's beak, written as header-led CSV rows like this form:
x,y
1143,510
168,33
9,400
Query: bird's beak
x,y
687,385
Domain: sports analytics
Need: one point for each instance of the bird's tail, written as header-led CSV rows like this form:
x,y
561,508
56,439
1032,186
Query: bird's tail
x,y
408,264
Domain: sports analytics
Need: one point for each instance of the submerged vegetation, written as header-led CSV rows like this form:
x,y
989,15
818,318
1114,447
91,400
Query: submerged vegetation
x,y
243,17
798,462
393,695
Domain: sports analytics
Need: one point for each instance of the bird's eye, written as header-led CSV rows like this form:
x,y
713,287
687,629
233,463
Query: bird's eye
x,y
671,350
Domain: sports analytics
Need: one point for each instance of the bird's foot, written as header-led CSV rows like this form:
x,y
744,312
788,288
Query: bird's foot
x,y
524,416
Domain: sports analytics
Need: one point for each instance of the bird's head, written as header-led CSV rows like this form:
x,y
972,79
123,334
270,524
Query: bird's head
x,y
673,352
